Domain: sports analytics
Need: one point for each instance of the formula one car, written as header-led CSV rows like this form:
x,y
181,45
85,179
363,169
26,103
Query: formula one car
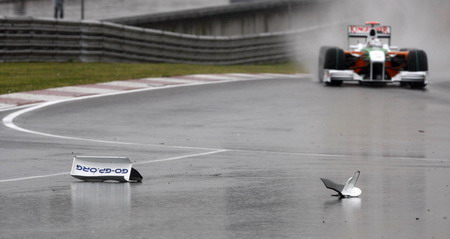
x,y
374,61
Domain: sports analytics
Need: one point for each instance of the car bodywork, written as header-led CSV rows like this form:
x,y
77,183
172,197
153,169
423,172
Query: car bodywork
x,y
374,60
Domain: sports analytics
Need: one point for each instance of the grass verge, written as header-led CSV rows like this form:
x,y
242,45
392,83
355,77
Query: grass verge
x,y
19,77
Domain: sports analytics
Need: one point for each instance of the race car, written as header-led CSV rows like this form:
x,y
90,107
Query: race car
x,y
373,61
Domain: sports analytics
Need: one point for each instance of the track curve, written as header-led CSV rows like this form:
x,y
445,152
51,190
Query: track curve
x,y
248,158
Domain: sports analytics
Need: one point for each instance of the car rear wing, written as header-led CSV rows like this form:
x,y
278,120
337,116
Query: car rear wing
x,y
365,31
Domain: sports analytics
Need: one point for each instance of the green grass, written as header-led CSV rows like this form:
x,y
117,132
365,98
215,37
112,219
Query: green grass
x,y
19,77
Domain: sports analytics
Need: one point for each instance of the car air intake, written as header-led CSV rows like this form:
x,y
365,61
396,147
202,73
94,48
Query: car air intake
x,y
377,71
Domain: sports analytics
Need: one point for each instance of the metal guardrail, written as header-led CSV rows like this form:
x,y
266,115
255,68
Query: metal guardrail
x,y
47,40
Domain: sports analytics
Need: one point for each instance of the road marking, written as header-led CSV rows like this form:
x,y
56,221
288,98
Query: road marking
x,y
145,162
9,101
8,122
216,152
33,177
184,156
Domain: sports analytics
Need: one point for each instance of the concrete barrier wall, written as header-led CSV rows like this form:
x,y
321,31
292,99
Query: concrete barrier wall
x,y
47,40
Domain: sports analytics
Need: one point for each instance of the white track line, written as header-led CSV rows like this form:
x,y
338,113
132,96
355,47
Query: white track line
x,y
33,177
145,162
210,153
8,121
183,157
138,84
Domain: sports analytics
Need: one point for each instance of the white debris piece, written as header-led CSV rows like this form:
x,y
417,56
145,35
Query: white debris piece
x,y
104,168
347,190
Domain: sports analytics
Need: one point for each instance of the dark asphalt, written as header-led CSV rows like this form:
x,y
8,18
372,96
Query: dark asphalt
x,y
240,160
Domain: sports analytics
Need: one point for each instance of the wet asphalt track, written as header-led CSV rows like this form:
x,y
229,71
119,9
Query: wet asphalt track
x,y
237,160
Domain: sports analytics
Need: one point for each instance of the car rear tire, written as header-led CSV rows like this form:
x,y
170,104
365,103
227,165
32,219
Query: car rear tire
x,y
334,59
